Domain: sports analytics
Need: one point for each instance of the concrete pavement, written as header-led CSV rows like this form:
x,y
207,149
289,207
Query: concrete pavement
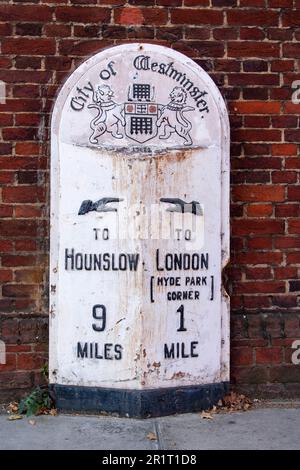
x,y
260,428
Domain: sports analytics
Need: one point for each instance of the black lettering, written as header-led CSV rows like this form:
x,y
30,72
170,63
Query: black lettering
x,y
169,352
97,262
118,352
133,260
69,257
76,105
183,355
194,92
107,348
193,347
106,262
79,261
141,62
88,262
158,268
97,355
162,68
82,351
122,262
110,66
195,261
82,92
204,261
169,261
99,313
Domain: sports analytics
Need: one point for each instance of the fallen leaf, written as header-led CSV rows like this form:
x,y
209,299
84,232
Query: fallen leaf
x,y
53,412
32,422
14,417
151,436
13,407
206,415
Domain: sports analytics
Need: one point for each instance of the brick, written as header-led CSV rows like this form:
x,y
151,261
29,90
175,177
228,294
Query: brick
x,y
28,29
241,356
271,135
259,210
27,148
22,194
139,16
259,243
255,66
17,290
291,18
287,242
252,17
29,276
82,14
268,355
31,361
255,34
294,193
287,210
255,107
246,79
293,258
292,135
259,193
257,287
14,228
23,45
5,275
291,49
258,227
280,3
284,301
294,226
25,245
27,212
258,273
32,13
294,286
284,177
253,49
59,30
11,363
284,149
190,16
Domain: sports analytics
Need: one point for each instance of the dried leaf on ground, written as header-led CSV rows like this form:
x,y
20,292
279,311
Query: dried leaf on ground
x,y
235,402
14,417
32,422
53,412
151,436
206,415
13,407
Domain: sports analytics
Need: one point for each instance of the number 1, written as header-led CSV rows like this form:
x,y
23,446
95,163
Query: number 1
x,y
181,320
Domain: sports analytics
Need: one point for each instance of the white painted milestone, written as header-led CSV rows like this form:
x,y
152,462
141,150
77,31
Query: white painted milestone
x,y
139,224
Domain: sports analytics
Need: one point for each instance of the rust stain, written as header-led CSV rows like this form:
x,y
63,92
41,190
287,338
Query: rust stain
x,y
178,375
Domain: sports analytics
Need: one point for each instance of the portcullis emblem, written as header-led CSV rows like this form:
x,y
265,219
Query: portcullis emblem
x,y
141,113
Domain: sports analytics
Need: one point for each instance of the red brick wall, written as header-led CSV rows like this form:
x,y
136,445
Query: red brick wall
x,y
250,49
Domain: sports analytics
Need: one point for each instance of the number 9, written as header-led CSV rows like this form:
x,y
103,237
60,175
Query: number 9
x,y
99,316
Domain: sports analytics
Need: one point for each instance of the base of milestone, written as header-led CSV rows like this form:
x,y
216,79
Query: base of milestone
x,y
138,403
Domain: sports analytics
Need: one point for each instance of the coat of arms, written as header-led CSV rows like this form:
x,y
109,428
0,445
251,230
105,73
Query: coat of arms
x,y
140,117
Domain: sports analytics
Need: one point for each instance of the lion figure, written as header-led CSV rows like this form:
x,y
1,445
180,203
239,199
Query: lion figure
x,y
110,114
172,118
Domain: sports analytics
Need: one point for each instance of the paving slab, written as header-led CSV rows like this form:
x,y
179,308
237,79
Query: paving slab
x,y
260,428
